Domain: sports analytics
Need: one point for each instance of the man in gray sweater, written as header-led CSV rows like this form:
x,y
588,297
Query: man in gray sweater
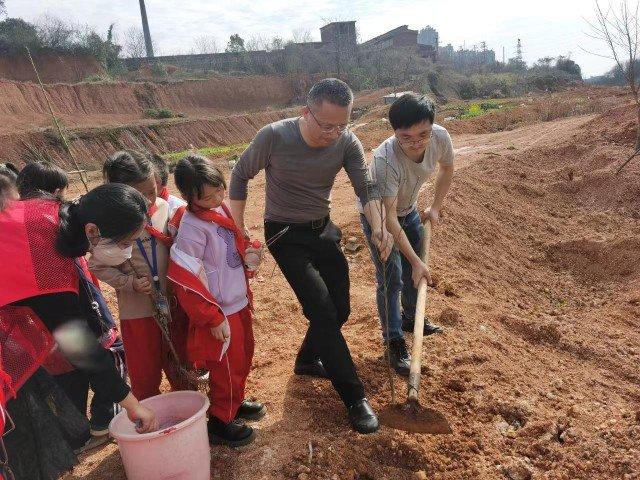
x,y
301,158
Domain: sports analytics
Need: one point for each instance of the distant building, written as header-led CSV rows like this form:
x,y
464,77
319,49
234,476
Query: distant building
x,y
304,45
428,36
446,52
401,37
465,58
336,38
398,37
339,32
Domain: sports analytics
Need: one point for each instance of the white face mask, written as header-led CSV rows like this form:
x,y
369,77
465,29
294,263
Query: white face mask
x,y
111,254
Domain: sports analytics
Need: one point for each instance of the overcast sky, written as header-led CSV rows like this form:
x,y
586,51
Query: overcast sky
x,y
546,27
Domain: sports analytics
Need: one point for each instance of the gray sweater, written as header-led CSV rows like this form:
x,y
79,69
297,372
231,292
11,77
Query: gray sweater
x,y
299,177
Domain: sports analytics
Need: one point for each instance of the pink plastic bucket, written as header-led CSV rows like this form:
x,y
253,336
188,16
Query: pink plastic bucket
x,y
178,451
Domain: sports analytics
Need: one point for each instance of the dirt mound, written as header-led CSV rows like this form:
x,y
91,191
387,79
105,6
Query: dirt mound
x,y
53,68
592,261
540,108
617,125
86,104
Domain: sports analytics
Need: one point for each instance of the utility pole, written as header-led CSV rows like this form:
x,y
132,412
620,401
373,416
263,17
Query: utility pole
x,y
519,51
503,57
145,29
483,47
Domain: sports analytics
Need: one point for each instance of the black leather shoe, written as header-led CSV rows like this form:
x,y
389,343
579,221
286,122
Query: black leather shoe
x,y
313,369
399,358
251,410
362,417
233,434
429,328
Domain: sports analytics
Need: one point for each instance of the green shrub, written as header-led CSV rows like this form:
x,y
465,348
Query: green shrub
x,y
16,34
158,113
159,70
467,89
474,110
165,113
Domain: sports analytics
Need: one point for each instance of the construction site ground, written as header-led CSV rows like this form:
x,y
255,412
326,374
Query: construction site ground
x,y
537,286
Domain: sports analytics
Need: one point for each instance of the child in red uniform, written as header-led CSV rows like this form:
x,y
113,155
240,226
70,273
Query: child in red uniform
x,y
139,278
211,283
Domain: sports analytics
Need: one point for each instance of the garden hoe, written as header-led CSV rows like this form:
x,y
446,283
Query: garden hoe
x,y
411,416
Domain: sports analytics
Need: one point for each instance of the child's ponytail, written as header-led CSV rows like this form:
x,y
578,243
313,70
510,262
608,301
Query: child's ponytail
x,y
72,240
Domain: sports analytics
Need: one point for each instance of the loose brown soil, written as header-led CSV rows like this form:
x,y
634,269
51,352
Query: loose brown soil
x,y
538,289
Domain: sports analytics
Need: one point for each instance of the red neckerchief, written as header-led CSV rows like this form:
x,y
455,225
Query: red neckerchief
x,y
226,222
151,230
164,193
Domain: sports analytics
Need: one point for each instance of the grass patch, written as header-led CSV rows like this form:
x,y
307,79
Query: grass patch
x,y
159,113
99,78
478,109
217,151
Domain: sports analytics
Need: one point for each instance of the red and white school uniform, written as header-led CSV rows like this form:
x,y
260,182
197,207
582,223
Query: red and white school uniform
x,y
207,269
146,352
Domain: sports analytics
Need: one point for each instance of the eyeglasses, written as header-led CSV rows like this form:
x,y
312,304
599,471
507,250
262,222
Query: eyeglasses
x,y
416,143
328,128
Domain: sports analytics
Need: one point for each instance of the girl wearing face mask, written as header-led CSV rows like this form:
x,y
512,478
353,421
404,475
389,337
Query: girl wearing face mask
x,y
46,180
39,273
137,271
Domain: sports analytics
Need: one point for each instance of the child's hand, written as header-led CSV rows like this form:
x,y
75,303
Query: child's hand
x,y
222,331
142,285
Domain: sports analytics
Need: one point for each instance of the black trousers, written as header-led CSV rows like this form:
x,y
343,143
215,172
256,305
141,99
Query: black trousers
x,y
76,385
318,273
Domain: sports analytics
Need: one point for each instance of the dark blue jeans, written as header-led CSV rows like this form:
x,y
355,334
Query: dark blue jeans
x,y
400,297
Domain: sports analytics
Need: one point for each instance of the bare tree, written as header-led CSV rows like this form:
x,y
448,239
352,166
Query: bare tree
x,y
301,35
3,8
134,46
618,29
55,32
206,44
276,43
257,42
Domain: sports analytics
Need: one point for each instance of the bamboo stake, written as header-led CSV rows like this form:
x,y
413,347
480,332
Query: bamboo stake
x,y
65,144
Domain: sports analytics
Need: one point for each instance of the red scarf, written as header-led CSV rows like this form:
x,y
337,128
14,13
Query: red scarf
x,y
164,193
151,230
226,222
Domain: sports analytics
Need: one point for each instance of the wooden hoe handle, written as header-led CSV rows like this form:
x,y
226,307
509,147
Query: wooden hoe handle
x,y
418,329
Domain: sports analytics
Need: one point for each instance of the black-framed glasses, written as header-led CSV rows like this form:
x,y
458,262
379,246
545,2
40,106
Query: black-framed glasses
x,y
422,141
328,128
